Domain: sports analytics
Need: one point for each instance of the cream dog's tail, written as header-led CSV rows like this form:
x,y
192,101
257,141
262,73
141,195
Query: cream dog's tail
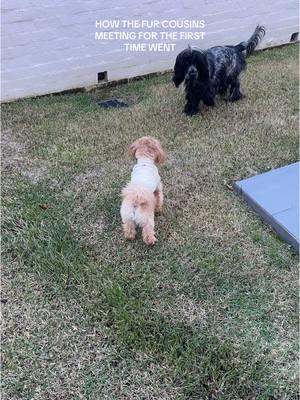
x,y
137,205
138,197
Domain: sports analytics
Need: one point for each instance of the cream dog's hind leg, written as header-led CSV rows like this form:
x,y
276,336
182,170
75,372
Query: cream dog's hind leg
x,y
144,217
148,230
127,215
129,230
159,198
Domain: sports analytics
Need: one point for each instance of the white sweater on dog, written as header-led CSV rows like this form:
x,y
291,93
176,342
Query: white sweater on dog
x,y
145,173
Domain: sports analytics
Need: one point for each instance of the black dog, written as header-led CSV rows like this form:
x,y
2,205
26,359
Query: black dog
x,y
207,73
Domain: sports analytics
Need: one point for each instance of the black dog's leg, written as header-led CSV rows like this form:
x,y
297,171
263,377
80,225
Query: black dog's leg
x,y
207,92
209,101
234,91
188,108
192,105
223,90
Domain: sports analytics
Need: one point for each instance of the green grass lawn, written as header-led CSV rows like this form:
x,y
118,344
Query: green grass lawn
x,y
210,312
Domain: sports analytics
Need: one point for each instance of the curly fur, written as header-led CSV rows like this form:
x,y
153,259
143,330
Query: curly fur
x,y
207,73
139,204
147,147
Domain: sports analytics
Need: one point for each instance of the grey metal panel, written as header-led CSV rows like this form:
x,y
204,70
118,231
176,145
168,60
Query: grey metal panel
x,y
274,195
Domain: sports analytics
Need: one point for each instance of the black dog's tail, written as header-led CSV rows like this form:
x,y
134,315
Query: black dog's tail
x,y
254,40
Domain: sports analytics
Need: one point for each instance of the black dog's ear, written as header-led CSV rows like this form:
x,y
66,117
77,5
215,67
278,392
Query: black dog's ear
x,y
200,61
183,61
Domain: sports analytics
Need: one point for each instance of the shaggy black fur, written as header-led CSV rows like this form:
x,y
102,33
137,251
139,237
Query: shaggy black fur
x,y
207,73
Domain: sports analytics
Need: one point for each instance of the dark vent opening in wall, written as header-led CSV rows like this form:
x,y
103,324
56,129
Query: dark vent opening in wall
x,y
102,76
294,37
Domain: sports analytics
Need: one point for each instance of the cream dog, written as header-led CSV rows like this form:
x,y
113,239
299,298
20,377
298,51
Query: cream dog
x,y
143,195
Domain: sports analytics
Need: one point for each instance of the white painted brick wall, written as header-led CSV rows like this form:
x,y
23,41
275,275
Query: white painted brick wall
x,y
49,45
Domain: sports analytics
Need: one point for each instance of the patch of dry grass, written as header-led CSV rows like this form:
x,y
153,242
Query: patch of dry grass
x,y
211,311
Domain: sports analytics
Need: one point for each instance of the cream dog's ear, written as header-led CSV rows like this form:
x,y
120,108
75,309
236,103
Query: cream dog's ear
x,y
161,155
133,148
